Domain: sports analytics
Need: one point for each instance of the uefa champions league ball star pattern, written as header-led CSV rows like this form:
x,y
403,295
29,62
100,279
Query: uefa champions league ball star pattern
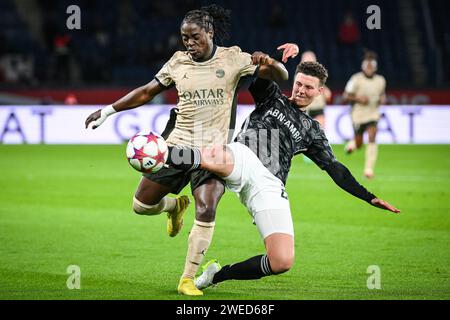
x,y
147,152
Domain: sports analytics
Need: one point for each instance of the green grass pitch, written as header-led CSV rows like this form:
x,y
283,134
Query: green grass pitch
x,y
71,205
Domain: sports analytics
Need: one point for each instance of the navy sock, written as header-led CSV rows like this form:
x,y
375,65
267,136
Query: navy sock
x,y
253,268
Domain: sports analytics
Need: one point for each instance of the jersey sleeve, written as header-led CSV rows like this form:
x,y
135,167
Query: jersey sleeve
x,y
383,85
244,63
262,89
320,151
351,86
345,180
165,74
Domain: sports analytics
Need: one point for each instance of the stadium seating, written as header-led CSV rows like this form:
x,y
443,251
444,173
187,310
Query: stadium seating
x,y
126,42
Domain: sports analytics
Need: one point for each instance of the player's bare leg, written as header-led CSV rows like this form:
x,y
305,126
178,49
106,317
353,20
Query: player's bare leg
x,y
371,152
279,258
280,251
206,197
218,159
151,199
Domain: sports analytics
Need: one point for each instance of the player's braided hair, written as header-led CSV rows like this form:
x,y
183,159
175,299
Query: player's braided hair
x,y
314,69
211,17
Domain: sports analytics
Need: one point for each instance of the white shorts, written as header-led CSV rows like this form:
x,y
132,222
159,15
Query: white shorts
x,y
260,191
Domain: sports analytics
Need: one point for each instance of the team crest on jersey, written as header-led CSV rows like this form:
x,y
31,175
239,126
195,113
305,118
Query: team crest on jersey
x,y
220,73
306,124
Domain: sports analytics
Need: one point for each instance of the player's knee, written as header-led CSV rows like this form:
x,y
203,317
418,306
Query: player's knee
x,y
208,154
213,155
205,213
145,209
281,263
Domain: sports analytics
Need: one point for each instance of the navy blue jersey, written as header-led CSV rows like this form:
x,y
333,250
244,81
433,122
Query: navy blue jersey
x,y
277,130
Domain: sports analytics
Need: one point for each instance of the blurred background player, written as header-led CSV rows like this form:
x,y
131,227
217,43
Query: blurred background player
x,y
316,109
366,91
206,77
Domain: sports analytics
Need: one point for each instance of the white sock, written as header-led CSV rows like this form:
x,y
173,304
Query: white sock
x,y
166,204
351,145
371,156
170,204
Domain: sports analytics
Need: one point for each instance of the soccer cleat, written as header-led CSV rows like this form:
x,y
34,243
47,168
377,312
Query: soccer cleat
x,y
175,217
206,278
368,173
349,147
187,287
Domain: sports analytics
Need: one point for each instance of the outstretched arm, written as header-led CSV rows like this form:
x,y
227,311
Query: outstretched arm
x,y
344,179
135,98
270,68
321,154
290,50
265,85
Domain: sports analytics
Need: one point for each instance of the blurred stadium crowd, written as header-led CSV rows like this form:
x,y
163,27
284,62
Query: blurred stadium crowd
x,y
124,43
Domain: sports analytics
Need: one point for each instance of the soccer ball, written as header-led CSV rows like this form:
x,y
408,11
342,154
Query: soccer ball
x,y
147,152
